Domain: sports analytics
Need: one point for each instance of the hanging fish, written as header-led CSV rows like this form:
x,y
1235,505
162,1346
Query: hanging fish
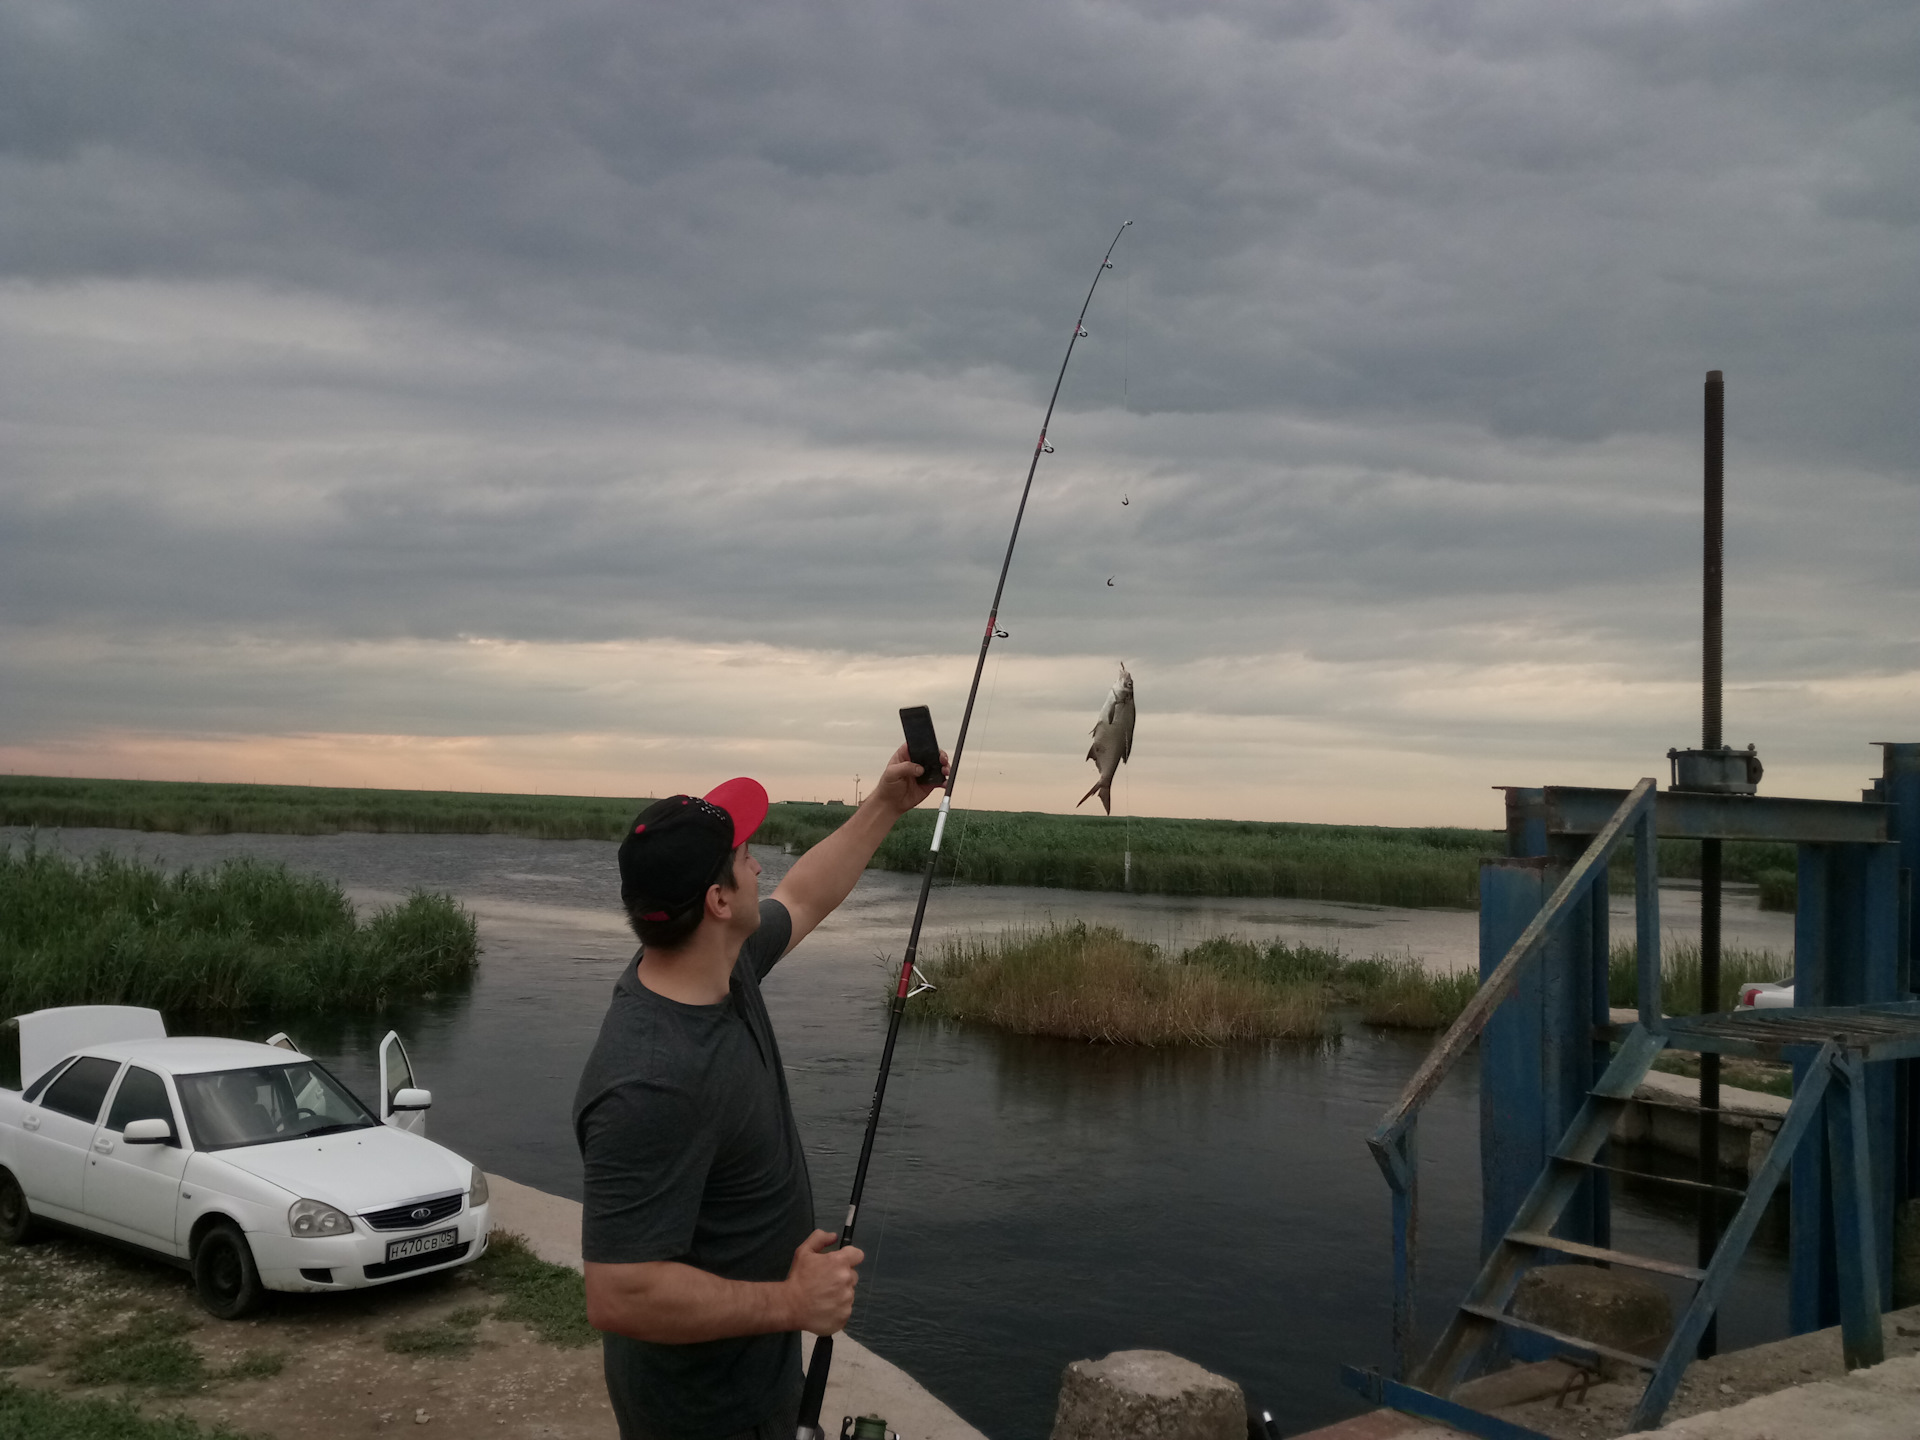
x,y
1125,501
1112,739
1109,581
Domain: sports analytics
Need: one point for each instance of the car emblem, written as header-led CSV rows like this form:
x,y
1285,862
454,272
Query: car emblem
x,y
425,1212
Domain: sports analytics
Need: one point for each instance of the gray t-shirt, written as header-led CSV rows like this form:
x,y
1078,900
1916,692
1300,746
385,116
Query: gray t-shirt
x,y
692,1154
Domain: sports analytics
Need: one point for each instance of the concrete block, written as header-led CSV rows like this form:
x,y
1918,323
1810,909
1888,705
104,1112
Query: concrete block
x,y
1147,1395
1609,1307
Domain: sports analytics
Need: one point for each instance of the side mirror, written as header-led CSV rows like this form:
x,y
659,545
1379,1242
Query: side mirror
x,y
412,1100
147,1132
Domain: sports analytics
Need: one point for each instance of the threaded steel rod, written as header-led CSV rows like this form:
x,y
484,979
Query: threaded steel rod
x,y
1711,738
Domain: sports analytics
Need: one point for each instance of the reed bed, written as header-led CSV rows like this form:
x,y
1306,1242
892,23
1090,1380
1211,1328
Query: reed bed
x,y
1427,866
247,936
1093,983
196,808
1680,975
1417,866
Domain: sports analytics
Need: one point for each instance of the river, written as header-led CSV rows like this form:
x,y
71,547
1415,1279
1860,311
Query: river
x,y
1031,1202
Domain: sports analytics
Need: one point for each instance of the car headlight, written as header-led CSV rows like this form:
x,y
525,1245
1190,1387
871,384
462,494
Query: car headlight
x,y
477,1191
311,1218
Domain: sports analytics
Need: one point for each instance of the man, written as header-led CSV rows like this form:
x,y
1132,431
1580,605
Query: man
x,y
702,1261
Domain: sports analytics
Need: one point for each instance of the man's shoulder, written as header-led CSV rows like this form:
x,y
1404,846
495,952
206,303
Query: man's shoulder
x,y
639,1049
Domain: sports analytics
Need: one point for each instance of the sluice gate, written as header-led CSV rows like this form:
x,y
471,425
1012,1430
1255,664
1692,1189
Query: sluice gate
x,y
1555,1072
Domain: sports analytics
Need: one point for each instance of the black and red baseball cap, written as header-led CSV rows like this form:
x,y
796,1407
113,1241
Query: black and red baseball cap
x,y
676,847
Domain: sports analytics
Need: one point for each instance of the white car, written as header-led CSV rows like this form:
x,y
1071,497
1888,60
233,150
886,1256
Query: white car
x,y
248,1163
1764,995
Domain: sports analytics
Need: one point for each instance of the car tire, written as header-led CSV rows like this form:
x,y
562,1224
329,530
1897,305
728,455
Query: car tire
x,y
224,1275
16,1220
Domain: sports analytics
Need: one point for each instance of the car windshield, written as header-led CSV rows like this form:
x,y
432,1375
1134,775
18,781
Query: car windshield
x,y
273,1102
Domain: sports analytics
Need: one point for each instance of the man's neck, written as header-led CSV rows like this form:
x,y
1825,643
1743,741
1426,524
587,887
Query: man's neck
x,y
696,973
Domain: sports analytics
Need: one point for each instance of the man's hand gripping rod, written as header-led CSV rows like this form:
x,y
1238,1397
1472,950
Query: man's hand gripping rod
x,y
812,1397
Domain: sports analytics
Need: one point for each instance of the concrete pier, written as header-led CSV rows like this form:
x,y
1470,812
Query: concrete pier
x,y
1665,1113
861,1383
1785,1390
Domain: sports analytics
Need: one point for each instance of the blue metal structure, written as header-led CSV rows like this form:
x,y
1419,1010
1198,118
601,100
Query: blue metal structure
x,y
1555,1074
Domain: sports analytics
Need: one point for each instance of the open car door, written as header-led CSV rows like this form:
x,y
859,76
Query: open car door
x,y
403,1104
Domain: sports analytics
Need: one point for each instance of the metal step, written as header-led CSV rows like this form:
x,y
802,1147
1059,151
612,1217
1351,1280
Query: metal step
x,y
1570,1342
1676,1180
1605,1256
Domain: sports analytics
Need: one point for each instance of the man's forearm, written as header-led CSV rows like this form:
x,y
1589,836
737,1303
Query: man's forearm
x,y
674,1304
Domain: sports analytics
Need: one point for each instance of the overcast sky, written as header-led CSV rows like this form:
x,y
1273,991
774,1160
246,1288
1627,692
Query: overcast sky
x,y
613,398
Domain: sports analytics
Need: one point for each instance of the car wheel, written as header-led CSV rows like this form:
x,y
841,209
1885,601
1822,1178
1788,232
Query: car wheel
x,y
16,1220
224,1275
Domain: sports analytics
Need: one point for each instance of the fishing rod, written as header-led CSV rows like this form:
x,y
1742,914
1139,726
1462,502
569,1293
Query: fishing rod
x,y
815,1392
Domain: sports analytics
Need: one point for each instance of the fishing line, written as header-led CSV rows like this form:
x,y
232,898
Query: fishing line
x,y
815,1392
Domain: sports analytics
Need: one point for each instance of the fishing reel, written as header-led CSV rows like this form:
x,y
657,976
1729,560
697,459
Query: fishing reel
x,y
867,1427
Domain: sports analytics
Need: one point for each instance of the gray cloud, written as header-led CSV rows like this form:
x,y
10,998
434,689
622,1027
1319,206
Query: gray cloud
x,y
732,323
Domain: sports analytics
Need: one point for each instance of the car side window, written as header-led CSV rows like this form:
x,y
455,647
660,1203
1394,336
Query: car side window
x,y
81,1091
33,1091
142,1096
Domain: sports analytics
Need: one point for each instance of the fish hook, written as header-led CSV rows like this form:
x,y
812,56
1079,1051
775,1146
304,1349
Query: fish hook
x,y
1109,580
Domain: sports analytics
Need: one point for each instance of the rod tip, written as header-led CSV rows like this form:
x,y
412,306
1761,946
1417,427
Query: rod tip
x,y
1714,377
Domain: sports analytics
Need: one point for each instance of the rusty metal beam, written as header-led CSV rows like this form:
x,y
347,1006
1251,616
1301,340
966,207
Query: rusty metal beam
x,y
1689,815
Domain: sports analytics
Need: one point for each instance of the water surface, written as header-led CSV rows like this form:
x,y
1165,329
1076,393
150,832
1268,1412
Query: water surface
x,y
1031,1202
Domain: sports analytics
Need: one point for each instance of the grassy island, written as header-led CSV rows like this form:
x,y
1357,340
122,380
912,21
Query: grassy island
x,y
1094,983
1080,982
246,936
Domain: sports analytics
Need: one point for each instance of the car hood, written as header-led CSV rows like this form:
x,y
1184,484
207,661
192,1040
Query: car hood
x,y
356,1170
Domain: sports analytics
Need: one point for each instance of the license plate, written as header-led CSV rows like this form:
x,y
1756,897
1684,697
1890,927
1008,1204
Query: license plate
x,y
421,1245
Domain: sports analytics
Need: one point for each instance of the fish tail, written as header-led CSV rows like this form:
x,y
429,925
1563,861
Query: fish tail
x,y
1090,794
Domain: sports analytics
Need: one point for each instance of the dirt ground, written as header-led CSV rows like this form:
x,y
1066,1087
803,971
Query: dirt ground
x,y
418,1357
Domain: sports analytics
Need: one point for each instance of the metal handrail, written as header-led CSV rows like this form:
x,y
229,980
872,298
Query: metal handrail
x,y
1393,1141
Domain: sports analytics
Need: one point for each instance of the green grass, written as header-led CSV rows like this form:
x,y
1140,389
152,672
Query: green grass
x,y
1680,975
550,1299
453,1335
38,1415
1094,983
248,935
150,1351
256,1365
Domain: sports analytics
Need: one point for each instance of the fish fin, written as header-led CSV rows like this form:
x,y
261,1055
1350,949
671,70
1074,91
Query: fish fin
x,y
1090,757
1089,795
1127,753
1106,799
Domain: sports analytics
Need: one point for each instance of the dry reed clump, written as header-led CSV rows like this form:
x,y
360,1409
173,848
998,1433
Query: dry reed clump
x,y
1096,984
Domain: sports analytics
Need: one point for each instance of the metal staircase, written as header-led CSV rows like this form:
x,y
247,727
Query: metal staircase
x,y
1830,1048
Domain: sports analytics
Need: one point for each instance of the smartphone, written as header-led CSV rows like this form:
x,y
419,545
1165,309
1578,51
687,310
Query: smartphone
x,y
922,748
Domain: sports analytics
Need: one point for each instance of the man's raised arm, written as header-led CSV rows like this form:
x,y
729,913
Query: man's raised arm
x,y
826,874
